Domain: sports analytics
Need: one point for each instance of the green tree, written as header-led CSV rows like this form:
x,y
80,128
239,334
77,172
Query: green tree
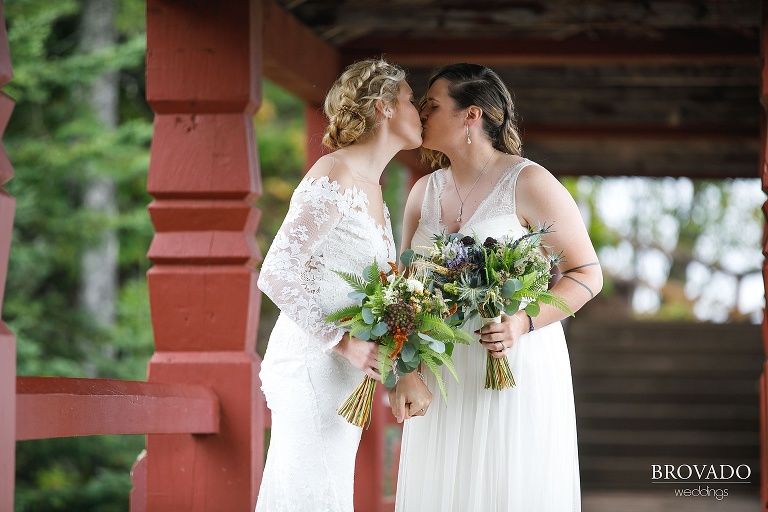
x,y
58,143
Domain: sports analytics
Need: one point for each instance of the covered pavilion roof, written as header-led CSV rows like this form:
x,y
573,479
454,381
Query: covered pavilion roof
x,y
604,88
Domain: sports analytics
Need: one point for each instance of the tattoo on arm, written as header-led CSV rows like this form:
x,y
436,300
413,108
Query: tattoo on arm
x,y
591,295
580,267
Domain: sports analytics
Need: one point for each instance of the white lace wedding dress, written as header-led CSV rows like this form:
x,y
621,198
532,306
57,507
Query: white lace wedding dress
x,y
486,450
311,458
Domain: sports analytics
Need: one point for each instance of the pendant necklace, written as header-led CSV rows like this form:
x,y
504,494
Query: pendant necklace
x,y
461,201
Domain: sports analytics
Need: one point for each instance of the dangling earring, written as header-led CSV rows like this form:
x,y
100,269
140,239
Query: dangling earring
x,y
469,141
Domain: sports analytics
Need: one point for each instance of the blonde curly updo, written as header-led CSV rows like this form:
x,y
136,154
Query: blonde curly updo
x,y
350,104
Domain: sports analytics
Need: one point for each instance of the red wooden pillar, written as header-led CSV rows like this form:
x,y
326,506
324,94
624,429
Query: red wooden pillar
x,y
7,340
764,177
316,123
204,84
369,466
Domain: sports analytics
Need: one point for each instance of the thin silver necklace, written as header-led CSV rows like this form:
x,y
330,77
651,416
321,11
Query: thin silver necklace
x,y
461,201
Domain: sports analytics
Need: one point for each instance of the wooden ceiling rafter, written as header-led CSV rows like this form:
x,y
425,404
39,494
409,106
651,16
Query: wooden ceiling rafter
x,y
636,132
697,47
296,58
665,87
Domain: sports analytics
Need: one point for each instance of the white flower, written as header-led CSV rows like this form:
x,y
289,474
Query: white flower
x,y
389,296
414,285
390,278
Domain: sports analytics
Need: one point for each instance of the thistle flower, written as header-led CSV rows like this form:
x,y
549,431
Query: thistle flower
x,y
454,254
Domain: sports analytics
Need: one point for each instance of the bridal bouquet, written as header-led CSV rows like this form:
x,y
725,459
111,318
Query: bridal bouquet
x,y
491,278
409,324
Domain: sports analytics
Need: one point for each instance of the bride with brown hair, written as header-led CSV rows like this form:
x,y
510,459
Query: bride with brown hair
x,y
488,450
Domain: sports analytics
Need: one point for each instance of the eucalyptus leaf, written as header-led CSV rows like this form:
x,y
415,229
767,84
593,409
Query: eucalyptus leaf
x,y
510,287
411,365
357,295
380,329
407,257
437,345
426,337
368,316
402,368
390,380
364,335
409,353
533,309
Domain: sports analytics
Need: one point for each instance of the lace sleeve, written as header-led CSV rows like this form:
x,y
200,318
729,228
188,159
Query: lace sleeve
x,y
287,274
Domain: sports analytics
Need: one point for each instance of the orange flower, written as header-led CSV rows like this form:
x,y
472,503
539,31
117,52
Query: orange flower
x,y
400,338
346,319
451,311
383,277
394,268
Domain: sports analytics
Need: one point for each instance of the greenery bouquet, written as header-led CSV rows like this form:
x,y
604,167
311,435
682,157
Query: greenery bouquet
x,y
491,278
409,324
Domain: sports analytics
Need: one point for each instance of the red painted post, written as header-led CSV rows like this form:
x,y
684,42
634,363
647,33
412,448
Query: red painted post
x,y
7,340
316,123
204,84
369,465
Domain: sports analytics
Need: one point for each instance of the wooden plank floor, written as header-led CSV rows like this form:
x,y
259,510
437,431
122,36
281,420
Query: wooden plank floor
x,y
663,393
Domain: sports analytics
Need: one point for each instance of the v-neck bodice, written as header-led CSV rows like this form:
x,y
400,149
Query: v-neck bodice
x,y
495,216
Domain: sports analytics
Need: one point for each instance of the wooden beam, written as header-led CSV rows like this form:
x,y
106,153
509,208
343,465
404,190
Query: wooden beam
x,y
659,172
62,407
679,47
543,132
294,57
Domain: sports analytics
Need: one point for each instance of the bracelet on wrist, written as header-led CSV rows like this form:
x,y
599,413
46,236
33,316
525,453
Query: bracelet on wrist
x,y
530,323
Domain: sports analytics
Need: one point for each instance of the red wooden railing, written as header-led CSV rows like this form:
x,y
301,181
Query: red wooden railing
x,y
7,340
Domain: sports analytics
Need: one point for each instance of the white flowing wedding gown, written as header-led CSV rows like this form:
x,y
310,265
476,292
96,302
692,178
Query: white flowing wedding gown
x,y
485,450
311,458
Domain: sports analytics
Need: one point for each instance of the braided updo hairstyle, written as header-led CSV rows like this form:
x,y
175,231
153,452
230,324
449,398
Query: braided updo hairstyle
x,y
350,105
472,84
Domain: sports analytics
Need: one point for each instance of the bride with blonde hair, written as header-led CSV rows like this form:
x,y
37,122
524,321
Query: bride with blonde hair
x,y
337,220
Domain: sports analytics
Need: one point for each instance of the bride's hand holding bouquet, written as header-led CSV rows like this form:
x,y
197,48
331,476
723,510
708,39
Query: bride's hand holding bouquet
x,y
409,324
492,278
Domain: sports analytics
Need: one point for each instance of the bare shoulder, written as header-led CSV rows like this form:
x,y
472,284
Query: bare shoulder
x,y
419,187
334,168
416,195
538,192
537,183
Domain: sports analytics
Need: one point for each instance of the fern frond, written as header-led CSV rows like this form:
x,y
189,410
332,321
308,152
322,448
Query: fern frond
x,y
556,301
448,363
373,272
357,283
435,369
346,312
